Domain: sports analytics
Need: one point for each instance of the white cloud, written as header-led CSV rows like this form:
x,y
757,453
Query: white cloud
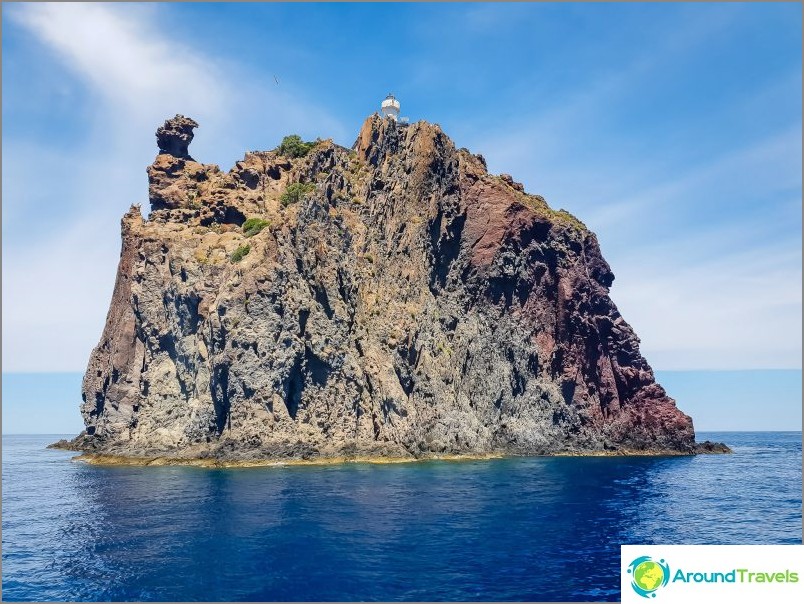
x,y
125,61
55,298
757,170
704,284
735,311
144,75
708,270
57,285
720,290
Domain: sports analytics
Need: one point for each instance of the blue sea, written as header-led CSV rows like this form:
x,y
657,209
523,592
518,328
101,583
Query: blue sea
x,y
544,529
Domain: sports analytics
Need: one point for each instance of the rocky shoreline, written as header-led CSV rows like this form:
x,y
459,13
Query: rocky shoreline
x,y
243,460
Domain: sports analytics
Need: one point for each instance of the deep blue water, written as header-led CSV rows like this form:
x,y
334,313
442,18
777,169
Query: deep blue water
x,y
517,529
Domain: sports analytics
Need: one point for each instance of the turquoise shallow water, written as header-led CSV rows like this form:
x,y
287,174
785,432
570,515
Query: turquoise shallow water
x,y
514,529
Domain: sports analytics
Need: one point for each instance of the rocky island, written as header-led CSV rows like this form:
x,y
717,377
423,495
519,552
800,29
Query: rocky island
x,y
393,300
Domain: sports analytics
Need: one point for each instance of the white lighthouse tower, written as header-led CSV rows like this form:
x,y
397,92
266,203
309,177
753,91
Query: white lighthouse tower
x,y
390,107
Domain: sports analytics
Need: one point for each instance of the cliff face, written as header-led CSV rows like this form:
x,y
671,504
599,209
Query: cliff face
x,y
406,302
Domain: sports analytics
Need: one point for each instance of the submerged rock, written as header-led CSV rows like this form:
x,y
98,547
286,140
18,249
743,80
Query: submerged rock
x,y
390,300
709,447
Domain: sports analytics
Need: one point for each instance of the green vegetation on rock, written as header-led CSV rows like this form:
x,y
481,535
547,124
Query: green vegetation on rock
x,y
293,146
240,253
570,219
252,226
539,204
295,193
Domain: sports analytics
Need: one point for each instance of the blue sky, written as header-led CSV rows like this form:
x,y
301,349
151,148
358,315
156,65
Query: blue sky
x,y
673,130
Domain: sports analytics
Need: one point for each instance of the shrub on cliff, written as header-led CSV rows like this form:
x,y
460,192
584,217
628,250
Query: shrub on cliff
x,y
240,253
293,146
252,226
295,192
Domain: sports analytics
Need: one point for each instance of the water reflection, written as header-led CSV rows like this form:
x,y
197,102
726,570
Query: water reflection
x,y
524,529
431,531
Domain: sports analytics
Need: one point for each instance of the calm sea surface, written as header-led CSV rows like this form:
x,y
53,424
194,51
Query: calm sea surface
x,y
518,529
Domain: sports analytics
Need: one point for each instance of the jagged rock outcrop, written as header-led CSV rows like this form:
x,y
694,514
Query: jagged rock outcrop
x,y
174,137
408,303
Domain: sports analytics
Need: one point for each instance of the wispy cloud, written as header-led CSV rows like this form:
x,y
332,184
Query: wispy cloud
x,y
708,261
740,310
488,18
55,297
707,251
708,267
58,277
757,170
143,74
123,57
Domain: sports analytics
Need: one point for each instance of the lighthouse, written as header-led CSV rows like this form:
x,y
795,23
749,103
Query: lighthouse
x,y
390,107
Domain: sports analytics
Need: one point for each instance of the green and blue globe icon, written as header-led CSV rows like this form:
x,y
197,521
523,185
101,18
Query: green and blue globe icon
x,y
648,575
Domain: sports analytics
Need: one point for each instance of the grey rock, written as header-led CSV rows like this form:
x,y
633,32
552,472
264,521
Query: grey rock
x,y
410,304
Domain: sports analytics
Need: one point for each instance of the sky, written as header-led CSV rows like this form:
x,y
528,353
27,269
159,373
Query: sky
x,y
672,130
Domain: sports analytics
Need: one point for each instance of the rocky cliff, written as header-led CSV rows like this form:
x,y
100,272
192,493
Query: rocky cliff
x,y
393,299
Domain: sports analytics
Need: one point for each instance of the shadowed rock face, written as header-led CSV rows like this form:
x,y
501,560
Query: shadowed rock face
x,y
409,303
175,136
